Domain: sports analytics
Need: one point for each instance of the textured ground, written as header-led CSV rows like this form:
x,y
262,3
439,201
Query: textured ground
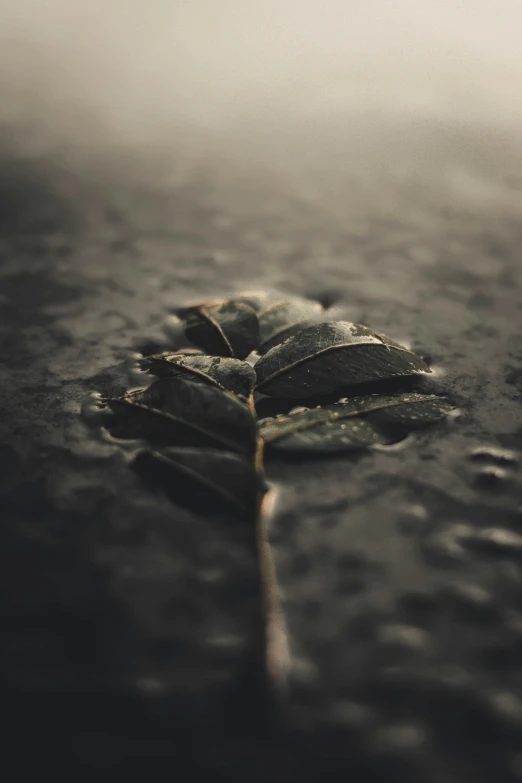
x,y
130,628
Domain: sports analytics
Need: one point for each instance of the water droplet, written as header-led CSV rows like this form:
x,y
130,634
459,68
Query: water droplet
x,y
445,547
128,447
507,706
404,636
455,676
136,373
412,518
417,511
226,643
495,455
490,477
454,414
495,540
405,738
349,713
173,322
94,409
470,601
398,445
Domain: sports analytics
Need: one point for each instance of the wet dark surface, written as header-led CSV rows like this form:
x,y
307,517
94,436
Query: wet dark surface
x,y
131,627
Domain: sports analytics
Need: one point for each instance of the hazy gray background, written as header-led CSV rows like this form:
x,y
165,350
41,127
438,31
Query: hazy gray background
x,y
140,66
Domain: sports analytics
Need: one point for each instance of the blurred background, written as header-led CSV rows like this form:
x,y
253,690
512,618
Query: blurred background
x,y
392,84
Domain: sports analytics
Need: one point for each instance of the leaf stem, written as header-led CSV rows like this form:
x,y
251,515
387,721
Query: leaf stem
x,y
276,645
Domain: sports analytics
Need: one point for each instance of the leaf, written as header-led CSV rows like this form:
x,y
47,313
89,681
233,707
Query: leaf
x,y
327,357
222,328
281,317
356,433
413,411
204,480
232,375
355,422
173,411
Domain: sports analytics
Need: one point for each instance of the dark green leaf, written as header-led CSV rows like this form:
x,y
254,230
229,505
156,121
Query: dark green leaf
x,y
412,411
281,316
353,434
405,409
352,423
328,357
222,328
232,375
176,412
204,480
